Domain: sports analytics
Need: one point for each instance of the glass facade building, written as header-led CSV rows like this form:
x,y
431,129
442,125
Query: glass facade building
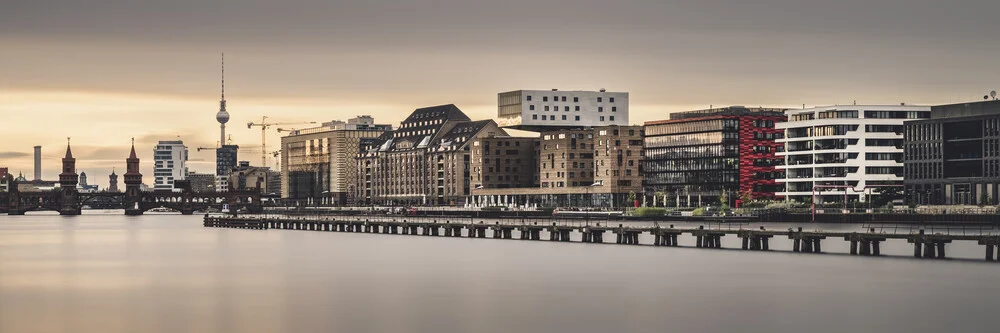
x,y
697,156
953,158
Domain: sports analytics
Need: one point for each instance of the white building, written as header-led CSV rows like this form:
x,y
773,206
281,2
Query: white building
x,y
843,150
539,109
170,164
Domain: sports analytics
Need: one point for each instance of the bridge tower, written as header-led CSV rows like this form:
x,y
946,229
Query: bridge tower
x,y
69,203
133,184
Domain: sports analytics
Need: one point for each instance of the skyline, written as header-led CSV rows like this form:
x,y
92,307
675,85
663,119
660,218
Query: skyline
x,y
103,73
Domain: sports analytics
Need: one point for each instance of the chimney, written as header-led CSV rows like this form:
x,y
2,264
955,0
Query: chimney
x,y
38,162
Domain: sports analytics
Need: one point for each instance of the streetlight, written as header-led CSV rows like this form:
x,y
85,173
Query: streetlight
x,y
589,198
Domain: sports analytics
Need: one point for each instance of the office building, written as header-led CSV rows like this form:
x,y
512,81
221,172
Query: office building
x,y
424,162
844,152
169,164
538,110
695,157
953,158
317,164
38,163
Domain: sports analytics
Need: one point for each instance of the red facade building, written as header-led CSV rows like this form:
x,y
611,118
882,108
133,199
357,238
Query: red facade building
x,y
696,157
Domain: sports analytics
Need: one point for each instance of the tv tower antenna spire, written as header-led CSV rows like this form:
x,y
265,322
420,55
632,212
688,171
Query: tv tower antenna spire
x,y
223,117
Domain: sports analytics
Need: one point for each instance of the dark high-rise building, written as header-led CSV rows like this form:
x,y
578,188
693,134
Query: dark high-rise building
x,y
953,158
225,160
699,155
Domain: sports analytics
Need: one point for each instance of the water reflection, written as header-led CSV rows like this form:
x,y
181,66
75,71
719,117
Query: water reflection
x,y
166,273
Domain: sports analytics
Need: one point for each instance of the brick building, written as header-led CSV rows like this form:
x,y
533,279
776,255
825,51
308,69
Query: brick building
x,y
578,167
426,161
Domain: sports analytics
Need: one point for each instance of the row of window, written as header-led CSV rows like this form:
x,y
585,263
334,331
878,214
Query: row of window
x,y
693,126
690,139
932,170
898,114
566,108
838,114
763,123
575,99
575,118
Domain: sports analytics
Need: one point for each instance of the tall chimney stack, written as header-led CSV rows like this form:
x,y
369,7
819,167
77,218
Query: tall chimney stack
x,y
38,162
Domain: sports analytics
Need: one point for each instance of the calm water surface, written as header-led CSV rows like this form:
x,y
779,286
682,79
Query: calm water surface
x,y
104,272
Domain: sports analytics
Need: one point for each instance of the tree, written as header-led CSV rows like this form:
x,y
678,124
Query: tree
x,y
746,197
984,199
656,195
724,198
885,196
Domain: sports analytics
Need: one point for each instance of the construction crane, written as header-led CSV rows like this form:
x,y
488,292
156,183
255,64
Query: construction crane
x,y
264,125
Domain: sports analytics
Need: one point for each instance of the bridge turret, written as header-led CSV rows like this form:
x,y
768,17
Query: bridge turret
x,y
68,179
133,184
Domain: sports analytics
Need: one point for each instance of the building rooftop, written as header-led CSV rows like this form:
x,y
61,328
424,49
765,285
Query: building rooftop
x,y
728,111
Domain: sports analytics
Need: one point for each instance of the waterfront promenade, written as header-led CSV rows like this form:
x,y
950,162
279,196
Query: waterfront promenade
x,y
926,243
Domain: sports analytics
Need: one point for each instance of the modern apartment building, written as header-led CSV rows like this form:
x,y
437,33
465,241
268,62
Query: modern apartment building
x,y
317,164
504,162
426,161
953,158
844,152
169,164
695,157
581,167
536,110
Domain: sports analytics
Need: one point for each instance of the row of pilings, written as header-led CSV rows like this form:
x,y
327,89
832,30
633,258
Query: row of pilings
x,y
931,246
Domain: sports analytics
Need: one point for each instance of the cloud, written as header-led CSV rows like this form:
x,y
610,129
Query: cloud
x,y
13,154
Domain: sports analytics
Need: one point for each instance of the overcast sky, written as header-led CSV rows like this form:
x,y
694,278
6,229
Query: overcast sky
x,y
104,71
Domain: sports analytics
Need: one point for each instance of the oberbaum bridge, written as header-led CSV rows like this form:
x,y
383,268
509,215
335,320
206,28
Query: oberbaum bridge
x,y
67,200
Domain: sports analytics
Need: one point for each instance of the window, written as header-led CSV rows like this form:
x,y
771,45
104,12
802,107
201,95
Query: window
x,y
576,99
577,118
612,99
534,117
600,109
566,108
545,98
612,118
564,98
614,109
544,117
546,108
529,98
602,118
577,108
564,117
531,107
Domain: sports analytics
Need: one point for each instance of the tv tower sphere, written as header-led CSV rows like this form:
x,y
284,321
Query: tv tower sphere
x,y
222,116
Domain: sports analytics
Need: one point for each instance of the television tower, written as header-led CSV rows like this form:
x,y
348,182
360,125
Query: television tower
x,y
223,117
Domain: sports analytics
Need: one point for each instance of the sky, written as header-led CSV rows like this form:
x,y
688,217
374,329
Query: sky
x,y
106,71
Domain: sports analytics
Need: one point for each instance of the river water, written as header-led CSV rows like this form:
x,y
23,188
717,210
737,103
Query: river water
x,y
104,272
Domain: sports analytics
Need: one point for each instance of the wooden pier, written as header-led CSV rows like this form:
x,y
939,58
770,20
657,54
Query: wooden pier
x,y
925,245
